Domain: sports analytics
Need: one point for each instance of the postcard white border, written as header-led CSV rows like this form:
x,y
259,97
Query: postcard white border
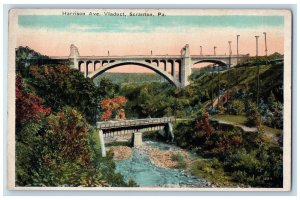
x,y
287,94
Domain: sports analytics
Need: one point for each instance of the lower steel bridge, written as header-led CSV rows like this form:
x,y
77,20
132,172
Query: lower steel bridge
x,y
135,127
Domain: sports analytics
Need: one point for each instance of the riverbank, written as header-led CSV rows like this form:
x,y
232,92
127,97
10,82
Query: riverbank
x,y
154,165
167,158
120,152
170,158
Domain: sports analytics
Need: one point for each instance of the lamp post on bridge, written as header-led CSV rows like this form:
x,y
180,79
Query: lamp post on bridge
x,y
200,50
108,52
215,50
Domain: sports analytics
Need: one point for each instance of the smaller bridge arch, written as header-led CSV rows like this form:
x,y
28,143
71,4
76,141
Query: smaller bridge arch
x,y
154,68
219,62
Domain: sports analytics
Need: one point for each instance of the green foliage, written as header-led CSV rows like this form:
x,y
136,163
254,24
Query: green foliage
x,y
66,154
26,57
260,60
183,134
259,167
62,86
153,100
106,88
252,114
237,119
181,163
236,107
276,108
248,157
212,170
28,152
61,149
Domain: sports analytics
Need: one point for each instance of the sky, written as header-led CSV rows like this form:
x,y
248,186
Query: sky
x,y
52,35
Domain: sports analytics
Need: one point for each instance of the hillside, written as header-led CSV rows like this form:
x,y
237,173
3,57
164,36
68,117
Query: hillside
x,y
240,78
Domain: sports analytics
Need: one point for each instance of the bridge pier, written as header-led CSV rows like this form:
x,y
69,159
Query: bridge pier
x,y
137,139
186,65
102,144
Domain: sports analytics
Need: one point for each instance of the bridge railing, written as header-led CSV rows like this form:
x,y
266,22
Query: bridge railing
x,y
135,122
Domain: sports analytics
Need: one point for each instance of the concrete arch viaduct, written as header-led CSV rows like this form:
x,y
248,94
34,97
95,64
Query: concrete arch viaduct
x,y
174,68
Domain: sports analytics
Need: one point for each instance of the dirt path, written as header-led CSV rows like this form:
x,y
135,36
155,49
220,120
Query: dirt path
x,y
248,129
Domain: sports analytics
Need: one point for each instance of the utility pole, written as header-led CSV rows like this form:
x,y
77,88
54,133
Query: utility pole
x,y
215,50
200,50
218,85
211,86
257,72
266,48
108,52
151,52
237,49
228,70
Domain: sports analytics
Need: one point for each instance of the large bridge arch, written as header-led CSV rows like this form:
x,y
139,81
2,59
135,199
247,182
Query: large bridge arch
x,y
154,68
219,62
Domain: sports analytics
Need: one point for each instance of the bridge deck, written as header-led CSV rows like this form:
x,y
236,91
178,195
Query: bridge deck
x,y
143,57
133,123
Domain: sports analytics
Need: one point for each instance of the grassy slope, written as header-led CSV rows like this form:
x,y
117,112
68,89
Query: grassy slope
x,y
271,78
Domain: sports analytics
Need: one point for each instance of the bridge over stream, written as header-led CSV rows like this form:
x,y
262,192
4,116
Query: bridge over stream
x,y
135,127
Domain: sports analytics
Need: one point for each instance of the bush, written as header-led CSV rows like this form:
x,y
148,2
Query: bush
x,y
57,150
181,164
236,107
252,114
260,167
67,155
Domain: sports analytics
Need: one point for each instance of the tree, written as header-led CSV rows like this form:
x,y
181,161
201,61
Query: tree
x,y
106,88
253,115
62,86
113,107
30,123
28,106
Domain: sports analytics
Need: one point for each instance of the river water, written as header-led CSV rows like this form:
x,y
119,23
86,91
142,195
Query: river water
x,y
139,168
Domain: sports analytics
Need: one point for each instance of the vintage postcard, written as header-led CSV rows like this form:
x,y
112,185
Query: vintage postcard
x,y
149,99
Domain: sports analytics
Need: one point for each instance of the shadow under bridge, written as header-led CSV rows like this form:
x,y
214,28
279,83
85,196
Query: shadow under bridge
x,y
135,127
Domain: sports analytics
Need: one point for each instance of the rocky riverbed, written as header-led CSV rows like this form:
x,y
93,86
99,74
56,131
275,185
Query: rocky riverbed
x,y
120,152
165,158
152,165
159,157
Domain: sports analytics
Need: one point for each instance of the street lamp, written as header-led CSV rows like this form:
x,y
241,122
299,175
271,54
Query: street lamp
x,y
218,85
215,50
228,70
237,48
266,48
230,52
200,50
257,71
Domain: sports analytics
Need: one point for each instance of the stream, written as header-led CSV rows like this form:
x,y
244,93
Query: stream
x,y
139,168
